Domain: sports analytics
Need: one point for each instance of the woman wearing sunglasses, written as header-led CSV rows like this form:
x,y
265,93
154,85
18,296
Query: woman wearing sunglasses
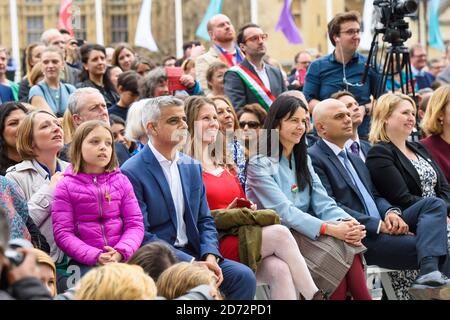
x,y
251,117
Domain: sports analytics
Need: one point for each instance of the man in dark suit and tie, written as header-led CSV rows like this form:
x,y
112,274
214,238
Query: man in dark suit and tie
x,y
354,145
171,194
253,81
413,239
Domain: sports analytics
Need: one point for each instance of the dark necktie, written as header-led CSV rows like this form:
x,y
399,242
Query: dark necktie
x,y
354,148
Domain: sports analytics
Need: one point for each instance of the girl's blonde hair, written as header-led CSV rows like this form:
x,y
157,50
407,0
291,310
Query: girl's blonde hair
x,y
44,258
36,74
431,122
81,133
383,109
182,277
116,281
68,126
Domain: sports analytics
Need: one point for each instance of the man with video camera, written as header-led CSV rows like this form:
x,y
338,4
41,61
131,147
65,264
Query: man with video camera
x,y
343,69
18,281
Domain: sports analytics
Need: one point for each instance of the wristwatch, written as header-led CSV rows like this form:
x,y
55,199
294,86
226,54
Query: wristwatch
x,y
396,211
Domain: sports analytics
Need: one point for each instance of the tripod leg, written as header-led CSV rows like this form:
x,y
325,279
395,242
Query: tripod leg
x,y
409,75
382,86
399,72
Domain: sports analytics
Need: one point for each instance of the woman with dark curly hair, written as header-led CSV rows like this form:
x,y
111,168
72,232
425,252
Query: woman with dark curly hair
x,y
11,115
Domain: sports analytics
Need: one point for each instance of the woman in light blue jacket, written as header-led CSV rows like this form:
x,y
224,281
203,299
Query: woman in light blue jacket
x,y
282,178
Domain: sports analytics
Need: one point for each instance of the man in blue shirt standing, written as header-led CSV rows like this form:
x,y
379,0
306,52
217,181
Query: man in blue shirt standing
x,y
343,69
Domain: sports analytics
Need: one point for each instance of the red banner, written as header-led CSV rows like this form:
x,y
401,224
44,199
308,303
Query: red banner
x,y
65,16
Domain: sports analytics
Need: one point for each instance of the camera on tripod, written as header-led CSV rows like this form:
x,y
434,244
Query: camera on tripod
x,y
393,12
395,32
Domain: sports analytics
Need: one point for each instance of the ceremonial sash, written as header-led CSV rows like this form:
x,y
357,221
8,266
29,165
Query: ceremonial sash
x,y
264,96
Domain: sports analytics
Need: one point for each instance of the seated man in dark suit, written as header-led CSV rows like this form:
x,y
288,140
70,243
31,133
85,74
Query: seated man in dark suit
x,y
413,239
354,145
169,188
253,81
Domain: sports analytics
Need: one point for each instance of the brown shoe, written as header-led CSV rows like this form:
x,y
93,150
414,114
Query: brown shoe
x,y
320,295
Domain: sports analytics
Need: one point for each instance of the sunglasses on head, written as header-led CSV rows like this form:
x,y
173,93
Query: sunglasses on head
x,y
250,124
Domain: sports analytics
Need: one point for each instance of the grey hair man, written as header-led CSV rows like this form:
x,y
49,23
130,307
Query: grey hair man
x,y
88,104
165,136
170,191
52,37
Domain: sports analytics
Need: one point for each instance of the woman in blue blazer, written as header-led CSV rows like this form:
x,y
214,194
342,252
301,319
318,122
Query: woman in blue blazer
x,y
282,178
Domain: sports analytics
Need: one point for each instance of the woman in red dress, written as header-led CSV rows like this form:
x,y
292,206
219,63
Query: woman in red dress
x,y
282,266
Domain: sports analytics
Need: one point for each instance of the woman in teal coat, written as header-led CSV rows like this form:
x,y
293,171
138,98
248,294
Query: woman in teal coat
x,y
282,178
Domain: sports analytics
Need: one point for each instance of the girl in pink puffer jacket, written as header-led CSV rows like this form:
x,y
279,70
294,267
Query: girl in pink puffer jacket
x,y
96,216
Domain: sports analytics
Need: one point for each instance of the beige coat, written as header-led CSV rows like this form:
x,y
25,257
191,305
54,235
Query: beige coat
x,y
34,181
202,64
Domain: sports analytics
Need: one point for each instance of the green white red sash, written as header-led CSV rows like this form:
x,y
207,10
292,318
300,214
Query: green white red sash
x,y
264,96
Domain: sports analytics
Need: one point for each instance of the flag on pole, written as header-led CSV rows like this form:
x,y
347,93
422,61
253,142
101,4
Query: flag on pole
x,y
215,7
286,24
65,16
367,22
434,33
144,37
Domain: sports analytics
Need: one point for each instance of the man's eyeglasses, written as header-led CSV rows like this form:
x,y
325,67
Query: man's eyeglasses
x,y
256,37
250,124
351,32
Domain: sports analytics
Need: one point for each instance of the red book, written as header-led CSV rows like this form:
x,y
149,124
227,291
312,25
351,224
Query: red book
x,y
173,78
301,76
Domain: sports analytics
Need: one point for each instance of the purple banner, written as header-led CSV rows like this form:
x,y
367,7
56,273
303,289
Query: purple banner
x,y
286,24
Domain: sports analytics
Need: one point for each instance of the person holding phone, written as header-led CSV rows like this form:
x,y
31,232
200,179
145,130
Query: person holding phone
x,y
166,81
297,77
277,259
